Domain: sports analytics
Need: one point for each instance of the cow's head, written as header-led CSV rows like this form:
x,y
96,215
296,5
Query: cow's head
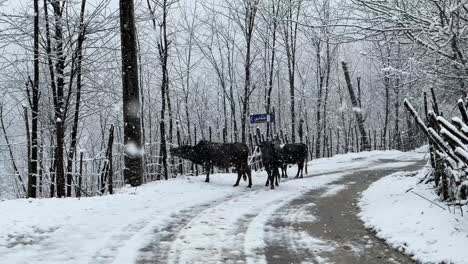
x,y
267,147
185,152
203,142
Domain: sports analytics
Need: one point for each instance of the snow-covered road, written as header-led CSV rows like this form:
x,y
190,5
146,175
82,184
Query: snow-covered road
x,y
183,220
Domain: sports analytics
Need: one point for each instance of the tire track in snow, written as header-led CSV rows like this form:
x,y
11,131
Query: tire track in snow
x,y
157,251
218,234
286,241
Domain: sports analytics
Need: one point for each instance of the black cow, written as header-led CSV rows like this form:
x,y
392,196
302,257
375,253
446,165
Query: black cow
x,y
271,161
295,153
223,155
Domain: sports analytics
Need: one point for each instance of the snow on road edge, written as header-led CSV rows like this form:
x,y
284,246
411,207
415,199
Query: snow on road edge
x,y
411,224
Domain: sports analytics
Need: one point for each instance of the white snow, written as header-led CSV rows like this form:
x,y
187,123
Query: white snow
x,y
392,207
333,189
132,150
357,109
113,228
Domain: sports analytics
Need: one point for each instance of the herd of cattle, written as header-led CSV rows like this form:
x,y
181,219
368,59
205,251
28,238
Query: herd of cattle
x,y
226,155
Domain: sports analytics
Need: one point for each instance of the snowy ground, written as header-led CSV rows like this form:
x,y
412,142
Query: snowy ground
x,y
422,229
204,222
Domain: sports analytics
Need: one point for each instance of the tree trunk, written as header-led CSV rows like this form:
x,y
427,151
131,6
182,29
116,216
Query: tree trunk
x,y
133,171
397,134
80,177
275,10
32,166
360,120
319,102
163,47
31,184
10,151
251,12
110,172
74,133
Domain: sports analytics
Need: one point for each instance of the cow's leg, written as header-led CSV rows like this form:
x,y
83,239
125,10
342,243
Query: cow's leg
x,y
240,171
271,180
277,177
300,168
284,170
268,176
273,175
249,174
207,168
239,175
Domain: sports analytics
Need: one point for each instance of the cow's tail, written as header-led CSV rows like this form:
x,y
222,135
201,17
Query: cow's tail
x,y
306,160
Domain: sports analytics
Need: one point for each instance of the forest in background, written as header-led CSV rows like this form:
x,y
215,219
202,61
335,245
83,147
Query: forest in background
x,y
204,67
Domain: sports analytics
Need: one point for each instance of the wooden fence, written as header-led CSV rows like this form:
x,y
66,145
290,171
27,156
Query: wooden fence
x,y
448,149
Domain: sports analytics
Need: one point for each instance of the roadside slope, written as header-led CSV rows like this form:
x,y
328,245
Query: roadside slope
x,y
427,230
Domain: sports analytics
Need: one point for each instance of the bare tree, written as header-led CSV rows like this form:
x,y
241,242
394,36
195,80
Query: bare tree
x,y
250,13
34,104
357,110
131,96
293,8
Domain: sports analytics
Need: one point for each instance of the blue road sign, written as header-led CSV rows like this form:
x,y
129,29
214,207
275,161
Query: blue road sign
x,y
262,118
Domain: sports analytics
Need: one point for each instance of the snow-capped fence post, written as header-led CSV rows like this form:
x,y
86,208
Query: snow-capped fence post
x,y
462,108
426,110
435,105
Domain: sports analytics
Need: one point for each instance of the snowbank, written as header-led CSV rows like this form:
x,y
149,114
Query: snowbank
x,y
420,228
